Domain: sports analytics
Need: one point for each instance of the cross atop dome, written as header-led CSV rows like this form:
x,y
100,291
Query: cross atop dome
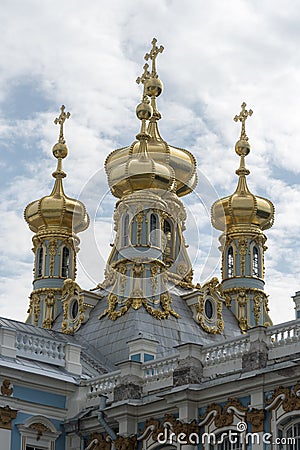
x,y
145,75
153,55
242,117
61,120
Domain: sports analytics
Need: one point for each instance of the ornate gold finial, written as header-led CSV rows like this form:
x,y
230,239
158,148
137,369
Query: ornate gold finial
x,y
61,120
153,55
242,117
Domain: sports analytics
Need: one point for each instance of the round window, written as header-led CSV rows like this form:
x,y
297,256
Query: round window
x,y
74,309
209,309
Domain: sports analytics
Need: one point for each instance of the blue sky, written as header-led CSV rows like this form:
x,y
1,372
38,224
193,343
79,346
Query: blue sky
x,y
87,55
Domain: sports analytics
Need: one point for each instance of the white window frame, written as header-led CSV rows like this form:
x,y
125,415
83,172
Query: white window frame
x,y
230,270
257,266
40,249
126,230
284,429
69,267
154,239
29,436
216,446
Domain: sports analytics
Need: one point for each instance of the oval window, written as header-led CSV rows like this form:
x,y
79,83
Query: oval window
x,y
74,309
209,309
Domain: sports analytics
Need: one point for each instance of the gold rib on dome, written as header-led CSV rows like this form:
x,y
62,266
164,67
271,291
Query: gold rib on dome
x,y
242,208
180,161
57,211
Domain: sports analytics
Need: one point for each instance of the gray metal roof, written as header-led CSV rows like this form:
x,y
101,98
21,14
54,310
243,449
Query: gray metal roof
x,y
111,337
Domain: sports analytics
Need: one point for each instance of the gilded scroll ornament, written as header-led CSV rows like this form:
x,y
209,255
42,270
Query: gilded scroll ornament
x,y
40,428
289,398
113,313
70,295
126,443
53,245
244,324
6,416
99,442
35,308
257,308
154,427
49,304
256,417
212,292
243,242
224,416
70,287
6,388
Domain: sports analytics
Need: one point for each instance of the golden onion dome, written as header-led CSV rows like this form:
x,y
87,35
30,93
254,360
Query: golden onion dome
x,y
242,208
138,170
57,211
180,162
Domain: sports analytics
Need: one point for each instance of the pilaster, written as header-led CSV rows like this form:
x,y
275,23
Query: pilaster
x,y
7,342
131,381
257,357
190,367
72,359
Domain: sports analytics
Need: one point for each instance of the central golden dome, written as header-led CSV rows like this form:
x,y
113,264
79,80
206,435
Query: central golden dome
x,y
181,161
167,167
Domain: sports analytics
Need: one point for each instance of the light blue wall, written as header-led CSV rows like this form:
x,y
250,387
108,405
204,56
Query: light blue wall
x,y
48,283
245,282
41,397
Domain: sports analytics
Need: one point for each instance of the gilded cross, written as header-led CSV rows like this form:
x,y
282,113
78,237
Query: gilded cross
x,y
145,76
153,55
242,117
61,120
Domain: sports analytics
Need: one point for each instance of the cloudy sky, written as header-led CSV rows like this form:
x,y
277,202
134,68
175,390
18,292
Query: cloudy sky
x,y
87,55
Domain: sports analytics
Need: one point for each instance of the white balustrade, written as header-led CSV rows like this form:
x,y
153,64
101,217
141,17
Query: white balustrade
x,y
284,333
39,348
160,369
220,353
284,339
103,385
